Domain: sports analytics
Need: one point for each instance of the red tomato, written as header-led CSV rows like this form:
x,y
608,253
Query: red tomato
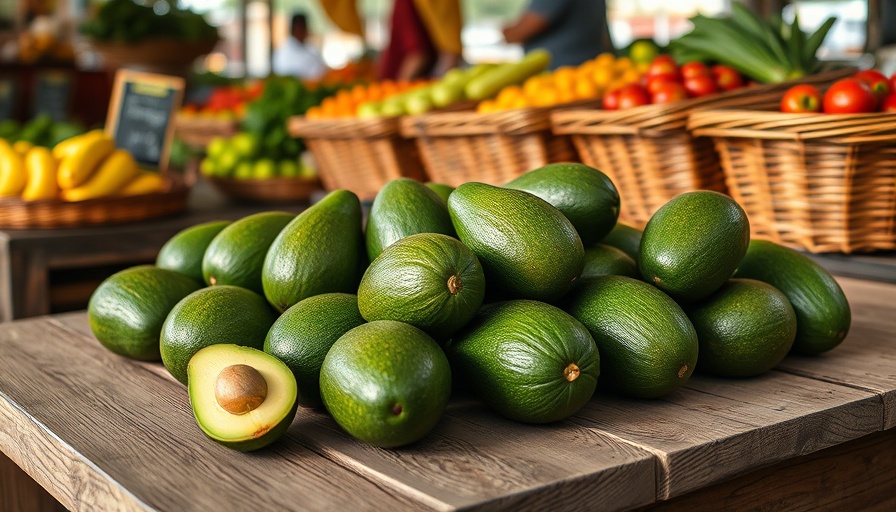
x,y
692,69
849,96
662,65
801,98
876,80
610,100
667,92
889,103
727,78
893,82
658,81
633,95
700,85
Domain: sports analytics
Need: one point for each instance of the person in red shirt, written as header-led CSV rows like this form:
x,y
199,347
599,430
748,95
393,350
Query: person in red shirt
x,y
411,53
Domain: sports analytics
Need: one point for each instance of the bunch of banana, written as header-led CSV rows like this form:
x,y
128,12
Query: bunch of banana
x,y
84,167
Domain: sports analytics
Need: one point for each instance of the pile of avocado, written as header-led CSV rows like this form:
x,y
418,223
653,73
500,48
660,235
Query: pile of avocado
x,y
523,295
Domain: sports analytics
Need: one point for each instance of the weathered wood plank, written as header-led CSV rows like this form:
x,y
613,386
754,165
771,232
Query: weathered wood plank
x,y
715,429
867,357
100,432
475,458
858,475
19,493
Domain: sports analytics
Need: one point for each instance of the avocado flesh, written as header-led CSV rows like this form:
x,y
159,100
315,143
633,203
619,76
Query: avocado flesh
x,y
255,428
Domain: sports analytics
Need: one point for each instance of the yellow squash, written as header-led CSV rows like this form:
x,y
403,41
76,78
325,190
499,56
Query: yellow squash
x,y
83,161
64,148
41,169
146,182
22,147
12,171
116,171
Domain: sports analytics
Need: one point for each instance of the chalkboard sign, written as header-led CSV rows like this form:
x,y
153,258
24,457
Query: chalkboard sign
x,y
52,93
7,98
141,115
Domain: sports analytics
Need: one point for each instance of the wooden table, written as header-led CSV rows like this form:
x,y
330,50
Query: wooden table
x,y
28,257
102,432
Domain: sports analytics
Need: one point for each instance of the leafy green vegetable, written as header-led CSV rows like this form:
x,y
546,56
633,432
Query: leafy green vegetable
x,y
125,20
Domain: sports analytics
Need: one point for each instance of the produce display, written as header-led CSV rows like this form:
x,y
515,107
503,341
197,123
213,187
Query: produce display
x,y
531,296
346,102
40,131
225,102
128,21
865,92
86,166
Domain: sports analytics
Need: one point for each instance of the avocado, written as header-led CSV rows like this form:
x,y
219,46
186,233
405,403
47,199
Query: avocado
x,y
527,248
184,251
822,312
404,207
527,360
625,238
385,383
745,328
305,332
127,310
235,256
219,314
241,397
693,244
602,260
428,280
586,196
647,345
320,251
441,189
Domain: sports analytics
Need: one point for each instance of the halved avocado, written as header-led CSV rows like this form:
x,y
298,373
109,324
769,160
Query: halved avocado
x,y
242,397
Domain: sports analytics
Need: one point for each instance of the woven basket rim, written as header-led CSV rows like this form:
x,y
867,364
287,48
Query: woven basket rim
x,y
765,124
343,128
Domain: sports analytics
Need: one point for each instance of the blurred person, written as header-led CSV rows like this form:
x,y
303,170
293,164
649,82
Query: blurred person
x,y
574,31
424,39
294,56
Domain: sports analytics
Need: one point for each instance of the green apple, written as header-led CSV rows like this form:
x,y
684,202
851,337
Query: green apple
x,y
393,106
243,171
418,105
216,146
370,109
446,93
245,144
288,168
264,169
207,167
226,162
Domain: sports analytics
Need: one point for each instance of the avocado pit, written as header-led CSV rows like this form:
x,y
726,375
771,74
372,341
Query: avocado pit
x,y
571,372
240,389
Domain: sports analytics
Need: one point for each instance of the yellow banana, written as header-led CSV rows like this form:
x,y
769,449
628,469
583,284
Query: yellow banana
x,y
12,172
41,168
116,171
64,148
22,147
82,162
145,183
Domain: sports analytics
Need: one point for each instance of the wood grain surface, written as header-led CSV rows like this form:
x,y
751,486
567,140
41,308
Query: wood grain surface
x,y
102,432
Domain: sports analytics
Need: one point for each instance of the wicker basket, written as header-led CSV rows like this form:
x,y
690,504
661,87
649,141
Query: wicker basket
x,y
197,131
648,151
819,182
457,147
360,155
159,55
268,191
53,213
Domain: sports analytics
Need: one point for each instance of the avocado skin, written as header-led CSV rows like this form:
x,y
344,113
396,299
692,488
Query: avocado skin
x,y
320,251
304,333
586,196
218,314
404,207
184,251
527,248
513,355
601,260
625,238
647,344
441,189
236,255
126,312
379,365
823,315
693,244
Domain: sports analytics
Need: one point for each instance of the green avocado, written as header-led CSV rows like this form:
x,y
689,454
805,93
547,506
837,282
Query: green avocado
x,y
241,397
320,251
428,280
219,314
441,189
527,360
184,251
693,244
527,248
404,207
586,196
602,260
823,314
386,383
304,333
625,238
236,255
127,310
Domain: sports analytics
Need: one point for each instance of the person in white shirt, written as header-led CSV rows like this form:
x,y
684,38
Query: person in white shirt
x,y
296,58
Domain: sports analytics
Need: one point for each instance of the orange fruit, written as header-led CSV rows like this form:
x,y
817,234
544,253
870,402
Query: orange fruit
x,y
630,76
605,59
565,78
602,76
586,89
623,63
